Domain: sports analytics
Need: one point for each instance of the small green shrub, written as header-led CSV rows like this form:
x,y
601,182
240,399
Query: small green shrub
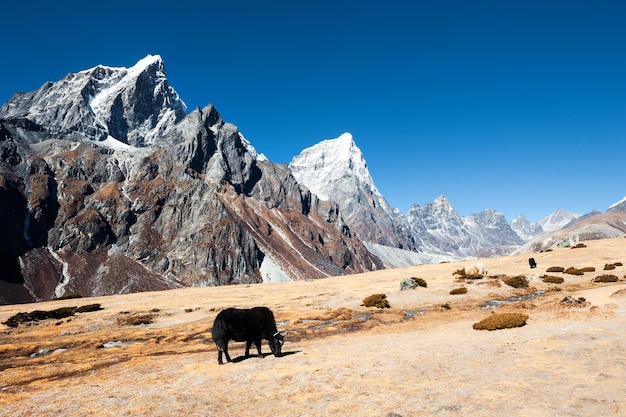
x,y
555,269
519,281
376,300
550,279
501,321
605,278
573,271
446,306
457,291
609,267
588,269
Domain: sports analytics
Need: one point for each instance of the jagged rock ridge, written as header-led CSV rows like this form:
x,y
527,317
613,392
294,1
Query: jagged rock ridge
x,y
107,186
336,170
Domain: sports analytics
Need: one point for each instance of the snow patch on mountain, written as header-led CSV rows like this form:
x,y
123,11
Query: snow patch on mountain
x,y
557,220
119,85
399,258
619,206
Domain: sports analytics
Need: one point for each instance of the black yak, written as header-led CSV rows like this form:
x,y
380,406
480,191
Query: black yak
x,y
246,325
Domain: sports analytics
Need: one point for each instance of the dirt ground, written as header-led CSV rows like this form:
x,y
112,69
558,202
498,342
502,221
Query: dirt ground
x,y
421,357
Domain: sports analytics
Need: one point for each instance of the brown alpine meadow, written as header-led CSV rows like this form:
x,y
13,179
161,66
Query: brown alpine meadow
x,y
151,354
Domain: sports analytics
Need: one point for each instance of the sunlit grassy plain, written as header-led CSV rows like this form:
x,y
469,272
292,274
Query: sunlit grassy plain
x,y
421,356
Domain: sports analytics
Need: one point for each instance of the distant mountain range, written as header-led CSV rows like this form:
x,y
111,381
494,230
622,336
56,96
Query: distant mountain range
x,y
336,170
108,185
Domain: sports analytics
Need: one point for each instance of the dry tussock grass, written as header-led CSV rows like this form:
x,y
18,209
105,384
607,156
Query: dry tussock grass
x,y
342,358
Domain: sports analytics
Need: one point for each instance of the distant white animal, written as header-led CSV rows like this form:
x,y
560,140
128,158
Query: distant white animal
x,y
475,269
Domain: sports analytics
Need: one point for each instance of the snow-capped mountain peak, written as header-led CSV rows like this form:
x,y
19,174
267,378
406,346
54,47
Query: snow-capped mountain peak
x,y
557,220
134,105
145,82
335,169
330,162
524,228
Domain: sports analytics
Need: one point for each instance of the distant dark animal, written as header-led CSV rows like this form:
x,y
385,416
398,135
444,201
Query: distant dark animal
x,y
246,325
532,263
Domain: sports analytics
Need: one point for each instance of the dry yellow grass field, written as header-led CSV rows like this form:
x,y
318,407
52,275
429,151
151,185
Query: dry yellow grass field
x,y
421,357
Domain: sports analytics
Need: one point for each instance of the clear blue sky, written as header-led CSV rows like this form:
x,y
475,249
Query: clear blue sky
x,y
518,106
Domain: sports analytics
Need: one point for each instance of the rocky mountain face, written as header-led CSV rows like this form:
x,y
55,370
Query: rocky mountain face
x,y
442,230
97,103
557,220
611,224
335,170
619,206
525,229
108,186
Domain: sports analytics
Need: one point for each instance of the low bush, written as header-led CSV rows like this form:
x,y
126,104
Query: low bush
x,y
88,308
501,321
519,281
551,279
618,264
376,300
609,267
579,245
56,314
420,282
574,271
135,319
555,269
606,278
457,291
588,269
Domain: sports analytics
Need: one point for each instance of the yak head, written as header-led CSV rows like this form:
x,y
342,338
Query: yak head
x,y
276,343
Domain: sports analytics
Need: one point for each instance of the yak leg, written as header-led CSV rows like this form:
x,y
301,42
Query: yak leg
x,y
258,347
248,345
220,350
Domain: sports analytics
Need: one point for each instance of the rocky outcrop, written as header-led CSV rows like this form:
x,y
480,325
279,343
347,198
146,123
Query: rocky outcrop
x,y
90,208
